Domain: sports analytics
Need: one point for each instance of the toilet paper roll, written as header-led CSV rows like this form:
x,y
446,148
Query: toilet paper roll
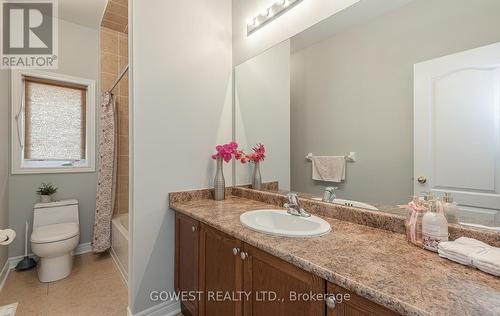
x,y
7,236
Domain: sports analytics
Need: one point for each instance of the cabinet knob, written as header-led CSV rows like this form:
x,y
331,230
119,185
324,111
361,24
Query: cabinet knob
x,y
194,228
236,251
244,255
331,302
422,180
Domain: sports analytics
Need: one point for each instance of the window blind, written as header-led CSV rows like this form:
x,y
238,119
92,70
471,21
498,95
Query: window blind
x,y
55,120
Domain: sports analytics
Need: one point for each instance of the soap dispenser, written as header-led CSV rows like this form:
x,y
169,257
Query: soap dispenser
x,y
450,208
413,222
434,226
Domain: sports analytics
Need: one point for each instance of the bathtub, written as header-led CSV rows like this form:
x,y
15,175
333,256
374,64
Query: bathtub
x,y
119,243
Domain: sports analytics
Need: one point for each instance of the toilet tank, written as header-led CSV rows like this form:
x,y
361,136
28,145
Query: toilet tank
x,y
59,212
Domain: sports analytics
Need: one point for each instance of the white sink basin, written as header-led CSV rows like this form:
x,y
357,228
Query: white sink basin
x,y
351,203
280,223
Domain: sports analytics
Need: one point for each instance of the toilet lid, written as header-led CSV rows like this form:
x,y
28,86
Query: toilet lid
x,y
55,232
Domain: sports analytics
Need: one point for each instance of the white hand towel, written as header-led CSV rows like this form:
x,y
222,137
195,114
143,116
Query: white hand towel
x,y
462,250
488,261
457,258
328,168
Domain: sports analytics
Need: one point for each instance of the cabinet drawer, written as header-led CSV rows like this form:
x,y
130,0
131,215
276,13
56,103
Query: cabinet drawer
x,y
350,304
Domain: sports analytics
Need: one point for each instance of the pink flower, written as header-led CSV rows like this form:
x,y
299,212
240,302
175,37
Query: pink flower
x,y
259,153
226,151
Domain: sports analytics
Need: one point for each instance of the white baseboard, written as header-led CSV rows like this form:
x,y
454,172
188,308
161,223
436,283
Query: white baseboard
x,y
170,308
79,250
13,261
4,274
82,248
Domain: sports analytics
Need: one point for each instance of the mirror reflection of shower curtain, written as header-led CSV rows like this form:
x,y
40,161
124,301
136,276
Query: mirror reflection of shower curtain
x,y
106,177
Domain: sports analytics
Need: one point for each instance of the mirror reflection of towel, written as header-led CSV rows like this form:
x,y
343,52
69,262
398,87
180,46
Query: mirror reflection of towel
x,y
328,168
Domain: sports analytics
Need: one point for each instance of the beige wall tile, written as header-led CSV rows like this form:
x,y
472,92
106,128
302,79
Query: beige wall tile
x,y
123,62
123,145
123,125
123,108
109,42
124,185
107,81
123,203
109,63
122,169
115,7
124,86
121,2
112,25
123,44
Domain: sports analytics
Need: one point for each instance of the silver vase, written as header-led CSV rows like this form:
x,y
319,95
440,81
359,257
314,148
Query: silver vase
x,y
219,182
256,177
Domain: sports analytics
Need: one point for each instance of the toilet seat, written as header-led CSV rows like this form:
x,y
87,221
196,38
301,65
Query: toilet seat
x,y
54,233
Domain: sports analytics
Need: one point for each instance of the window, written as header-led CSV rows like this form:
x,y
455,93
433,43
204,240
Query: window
x,y
52,123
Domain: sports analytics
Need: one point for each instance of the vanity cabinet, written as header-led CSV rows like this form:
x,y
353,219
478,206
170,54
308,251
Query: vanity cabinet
x,y
187,238
221,272
216,264
355,305
278,287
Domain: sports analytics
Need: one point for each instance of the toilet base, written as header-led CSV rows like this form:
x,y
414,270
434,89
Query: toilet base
x,y
53,269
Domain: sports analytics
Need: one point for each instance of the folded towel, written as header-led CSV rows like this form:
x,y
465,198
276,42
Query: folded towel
x,y
328,168
461,250
494,272
472,252
488,261
467,261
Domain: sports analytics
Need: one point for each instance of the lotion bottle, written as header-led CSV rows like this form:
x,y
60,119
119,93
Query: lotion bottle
x,y
434,226
450,208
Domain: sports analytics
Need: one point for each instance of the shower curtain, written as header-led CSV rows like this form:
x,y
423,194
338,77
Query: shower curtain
x,y
106,177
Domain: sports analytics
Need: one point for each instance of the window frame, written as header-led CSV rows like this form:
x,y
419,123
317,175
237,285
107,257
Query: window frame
x,y
22,166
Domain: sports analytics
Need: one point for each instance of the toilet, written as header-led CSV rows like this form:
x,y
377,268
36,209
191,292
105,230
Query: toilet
x,y
56,233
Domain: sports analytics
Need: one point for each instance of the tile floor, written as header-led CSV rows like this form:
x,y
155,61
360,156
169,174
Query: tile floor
x,y
94,287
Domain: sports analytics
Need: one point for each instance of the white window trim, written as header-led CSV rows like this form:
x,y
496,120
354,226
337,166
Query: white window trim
x,y
19,166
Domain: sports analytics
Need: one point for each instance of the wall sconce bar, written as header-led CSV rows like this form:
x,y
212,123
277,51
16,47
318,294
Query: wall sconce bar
x,y
271,13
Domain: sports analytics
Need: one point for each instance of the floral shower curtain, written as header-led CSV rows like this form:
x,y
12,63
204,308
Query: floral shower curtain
x,y
106,177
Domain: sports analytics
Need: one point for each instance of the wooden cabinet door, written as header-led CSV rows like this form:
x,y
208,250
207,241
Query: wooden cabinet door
x,y
355,305
265,274
186,258
221,272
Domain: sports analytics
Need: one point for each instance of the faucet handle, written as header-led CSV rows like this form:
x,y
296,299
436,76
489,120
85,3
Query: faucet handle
x,y
293,198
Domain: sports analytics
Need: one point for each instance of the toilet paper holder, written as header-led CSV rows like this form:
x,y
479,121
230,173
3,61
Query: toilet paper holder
x,y
7,236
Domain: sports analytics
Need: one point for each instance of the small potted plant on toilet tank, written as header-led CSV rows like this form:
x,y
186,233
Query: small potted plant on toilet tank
x,y
46,190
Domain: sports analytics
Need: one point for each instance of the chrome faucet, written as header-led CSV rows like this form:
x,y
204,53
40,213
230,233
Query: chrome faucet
x,y
329,194
293,206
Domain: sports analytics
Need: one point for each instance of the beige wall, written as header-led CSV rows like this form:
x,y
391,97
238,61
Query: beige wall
x,y
79,57
262,113
4,163
181,108
114,58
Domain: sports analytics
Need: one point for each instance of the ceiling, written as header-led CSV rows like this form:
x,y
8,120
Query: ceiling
x,y
84,12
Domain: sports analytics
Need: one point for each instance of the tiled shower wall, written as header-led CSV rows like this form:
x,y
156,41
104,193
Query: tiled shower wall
x,y
114,58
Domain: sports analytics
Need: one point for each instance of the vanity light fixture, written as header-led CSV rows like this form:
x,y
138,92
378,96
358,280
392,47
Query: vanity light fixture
x,y
271,13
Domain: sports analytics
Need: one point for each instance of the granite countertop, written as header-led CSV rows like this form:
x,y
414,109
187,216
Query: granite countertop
x,y
374,263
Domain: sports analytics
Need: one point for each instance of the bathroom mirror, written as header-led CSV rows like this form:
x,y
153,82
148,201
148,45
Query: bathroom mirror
x,y
406,92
